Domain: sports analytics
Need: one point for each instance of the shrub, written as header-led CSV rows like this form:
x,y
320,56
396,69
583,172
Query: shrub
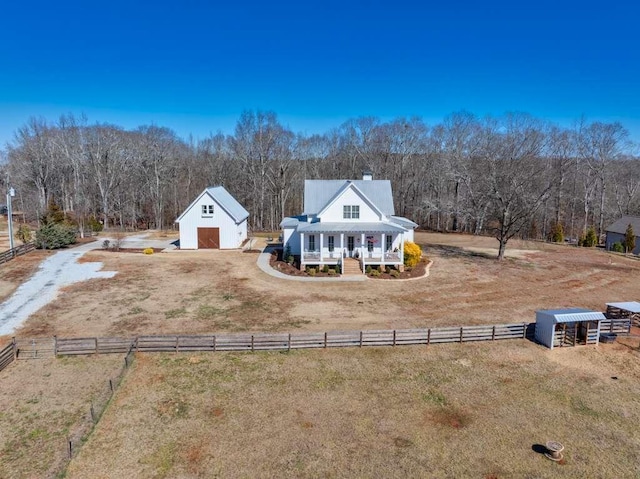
x,y
412,254
557,233
105,244
148,251
55,235
95,225
394,273
368,269
331,272
338,269
24,233
325,268
617,247
629,239
590,240
375,273
290,259
387,269
311,271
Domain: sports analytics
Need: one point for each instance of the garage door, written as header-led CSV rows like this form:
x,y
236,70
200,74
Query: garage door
x,y
208,238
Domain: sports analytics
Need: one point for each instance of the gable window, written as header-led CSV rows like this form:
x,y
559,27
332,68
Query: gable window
x,y
331,243
351,212
207,210
312,242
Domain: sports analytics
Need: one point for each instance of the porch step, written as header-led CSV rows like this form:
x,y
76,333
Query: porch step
x,y
351,266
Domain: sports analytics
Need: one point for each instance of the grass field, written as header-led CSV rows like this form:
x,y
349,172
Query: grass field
x,y
193,292
470,410
41,403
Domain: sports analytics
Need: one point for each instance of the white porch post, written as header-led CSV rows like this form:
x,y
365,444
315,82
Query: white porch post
x,y
341,245
363,250
302,250
402,248
383,246
321,238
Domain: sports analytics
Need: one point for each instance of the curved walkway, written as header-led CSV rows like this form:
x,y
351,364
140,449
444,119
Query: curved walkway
x,y
263,264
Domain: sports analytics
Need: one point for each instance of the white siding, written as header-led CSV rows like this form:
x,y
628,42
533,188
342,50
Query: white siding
x,y
231,234
350,197
292,238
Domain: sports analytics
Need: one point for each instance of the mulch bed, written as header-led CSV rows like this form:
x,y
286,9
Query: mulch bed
x,y
286,268
131,250
251,251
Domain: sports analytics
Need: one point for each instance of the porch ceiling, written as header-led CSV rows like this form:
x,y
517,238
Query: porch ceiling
x,y
352,227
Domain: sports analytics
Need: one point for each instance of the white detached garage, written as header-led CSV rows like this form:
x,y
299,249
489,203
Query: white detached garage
x,y
215,220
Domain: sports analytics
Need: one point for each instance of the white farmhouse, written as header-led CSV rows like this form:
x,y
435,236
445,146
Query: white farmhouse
x,y
347,219
214,220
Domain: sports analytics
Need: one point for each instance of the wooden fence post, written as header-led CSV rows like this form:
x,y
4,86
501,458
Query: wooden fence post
x,y
15,348
394,337
289,343
70,448
55,345
360,338
493,333
214,343
252,343
325,339
461,333
428,336
96,344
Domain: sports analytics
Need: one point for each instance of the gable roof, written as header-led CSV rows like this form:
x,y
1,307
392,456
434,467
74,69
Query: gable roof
x,y
620,226
349,185
227,202
318,193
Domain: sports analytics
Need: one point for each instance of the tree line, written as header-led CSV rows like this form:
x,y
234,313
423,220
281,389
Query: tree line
x,y
511,176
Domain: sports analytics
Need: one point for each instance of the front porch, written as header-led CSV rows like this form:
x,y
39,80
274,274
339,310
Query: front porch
x,y
369,248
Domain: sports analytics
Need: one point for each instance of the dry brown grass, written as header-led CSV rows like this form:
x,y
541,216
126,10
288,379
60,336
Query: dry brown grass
x,y
41,403
18,270
195,292
470,410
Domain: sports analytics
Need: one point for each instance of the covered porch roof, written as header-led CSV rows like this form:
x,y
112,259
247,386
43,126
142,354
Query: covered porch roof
x,y
351,227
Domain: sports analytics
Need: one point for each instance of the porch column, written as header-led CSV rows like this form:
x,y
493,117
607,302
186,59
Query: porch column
x,y
301,250
383,246
341,245
402,247
321,238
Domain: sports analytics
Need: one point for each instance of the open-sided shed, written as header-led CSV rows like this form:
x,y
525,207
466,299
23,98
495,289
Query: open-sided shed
x,y
626,310
568,327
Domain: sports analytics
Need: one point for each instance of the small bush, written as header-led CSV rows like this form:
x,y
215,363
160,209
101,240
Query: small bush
x,y
394,273
24,233
557,233
331,272
617,247
55,235
290,259
338,269
105,244
387,269
148,251
311,271
412,254
375,273
95,225
325,268
368,269
591,239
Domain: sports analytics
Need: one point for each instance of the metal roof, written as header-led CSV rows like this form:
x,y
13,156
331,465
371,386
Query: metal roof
x,y
403,221
352,227
631,306
572,315
290,222
317,193
227,202
620,226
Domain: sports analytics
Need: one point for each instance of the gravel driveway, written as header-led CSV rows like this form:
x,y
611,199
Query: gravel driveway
x,y
55,272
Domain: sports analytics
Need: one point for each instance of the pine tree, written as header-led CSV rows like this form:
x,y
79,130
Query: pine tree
x,y
629,239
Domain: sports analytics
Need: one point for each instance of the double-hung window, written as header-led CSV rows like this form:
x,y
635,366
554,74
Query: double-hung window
x,y
351,212
331,243
312,242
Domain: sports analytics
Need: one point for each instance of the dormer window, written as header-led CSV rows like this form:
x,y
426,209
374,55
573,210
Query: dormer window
x,y
351,212
207,210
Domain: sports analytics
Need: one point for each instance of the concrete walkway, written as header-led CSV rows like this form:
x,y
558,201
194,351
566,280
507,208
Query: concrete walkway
x,y
263,264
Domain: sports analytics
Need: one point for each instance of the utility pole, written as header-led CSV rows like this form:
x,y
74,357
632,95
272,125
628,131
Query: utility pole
x,y
11,193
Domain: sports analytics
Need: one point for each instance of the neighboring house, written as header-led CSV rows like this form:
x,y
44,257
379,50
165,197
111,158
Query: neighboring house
x,y
215,220
347,219
616,232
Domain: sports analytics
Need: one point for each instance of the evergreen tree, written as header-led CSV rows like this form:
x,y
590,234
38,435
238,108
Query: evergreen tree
x,y
629,239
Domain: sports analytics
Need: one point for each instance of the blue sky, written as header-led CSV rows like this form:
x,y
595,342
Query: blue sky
x,y
194,66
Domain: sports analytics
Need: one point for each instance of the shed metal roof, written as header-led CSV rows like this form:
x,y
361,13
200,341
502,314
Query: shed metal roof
x,y
631,306
620,226
351,228
228,202
572,315
317,193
